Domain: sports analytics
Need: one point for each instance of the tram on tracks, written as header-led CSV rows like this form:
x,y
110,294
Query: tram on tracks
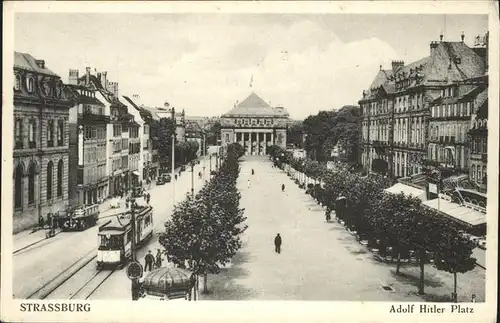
x,y
79,218
115,236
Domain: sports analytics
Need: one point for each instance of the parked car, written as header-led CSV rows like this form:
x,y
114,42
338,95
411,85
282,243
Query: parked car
x,y
163,178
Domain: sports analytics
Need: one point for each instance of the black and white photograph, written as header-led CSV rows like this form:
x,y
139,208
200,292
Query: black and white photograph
x,y
180,157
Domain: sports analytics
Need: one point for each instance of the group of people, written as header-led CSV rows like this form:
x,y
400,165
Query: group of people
x,y
151,262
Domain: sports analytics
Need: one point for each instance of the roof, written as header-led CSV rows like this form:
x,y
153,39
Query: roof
x,y
254,105
456,211
27,62
83,99
448,62
481,103
407,190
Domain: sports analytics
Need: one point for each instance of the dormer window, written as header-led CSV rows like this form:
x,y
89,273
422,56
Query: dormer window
x,y
30,84
17,82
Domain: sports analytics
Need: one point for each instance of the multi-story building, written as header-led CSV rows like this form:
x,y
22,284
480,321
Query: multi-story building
x,y
195,133
116,129
88,122
397,108
135,162
41,142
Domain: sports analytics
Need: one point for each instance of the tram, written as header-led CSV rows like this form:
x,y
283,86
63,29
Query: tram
x,y
79,218
115,236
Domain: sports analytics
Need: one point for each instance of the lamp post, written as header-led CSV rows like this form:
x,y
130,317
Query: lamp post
x,y
173,160
135,281
192,179
204,156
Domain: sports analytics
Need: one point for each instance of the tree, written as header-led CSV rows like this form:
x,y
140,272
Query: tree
x,y
235,149
380,166
204,230
163,130
213,134
295,134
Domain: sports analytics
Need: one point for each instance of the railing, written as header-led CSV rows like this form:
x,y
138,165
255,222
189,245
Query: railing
x,y
18,145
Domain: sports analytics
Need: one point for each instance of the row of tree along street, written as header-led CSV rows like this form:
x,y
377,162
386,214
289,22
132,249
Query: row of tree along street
x,y
395,225
205,229
326,130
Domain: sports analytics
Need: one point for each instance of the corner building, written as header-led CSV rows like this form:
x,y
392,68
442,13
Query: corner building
x,y
396,109
41,142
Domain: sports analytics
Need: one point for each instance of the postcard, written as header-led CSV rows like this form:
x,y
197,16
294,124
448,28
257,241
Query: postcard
x,y
250,161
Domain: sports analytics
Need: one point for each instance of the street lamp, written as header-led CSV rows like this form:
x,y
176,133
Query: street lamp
x,y
204,152
173,159
135,281
192,179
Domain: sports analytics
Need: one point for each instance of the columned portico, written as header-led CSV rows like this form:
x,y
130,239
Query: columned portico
x,y
252,124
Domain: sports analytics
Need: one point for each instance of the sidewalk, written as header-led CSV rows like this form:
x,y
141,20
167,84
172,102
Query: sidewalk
x,y
26,238
480,256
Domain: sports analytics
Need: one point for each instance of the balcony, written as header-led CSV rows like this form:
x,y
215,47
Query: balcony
x,y
50,143
32,144
484,158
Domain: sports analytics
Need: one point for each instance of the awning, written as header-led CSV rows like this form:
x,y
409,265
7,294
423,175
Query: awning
x,y
407,190
461,213
136,173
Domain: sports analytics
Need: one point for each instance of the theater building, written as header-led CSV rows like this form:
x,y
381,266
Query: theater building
x,y
41,142
254,124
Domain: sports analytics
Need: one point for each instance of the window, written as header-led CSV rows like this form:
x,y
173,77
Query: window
x,y
479,174
18,187
30,84
31,133
50,133
455,109
31,184
50,168
60,132
462,111
17,82
18,134
467,109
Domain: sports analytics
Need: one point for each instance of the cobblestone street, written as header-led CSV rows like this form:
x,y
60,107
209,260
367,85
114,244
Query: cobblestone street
x,y
319,260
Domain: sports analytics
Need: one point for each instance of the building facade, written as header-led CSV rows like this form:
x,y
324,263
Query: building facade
x,y
88,122
398,109
41,142
180,120
255,125
195,133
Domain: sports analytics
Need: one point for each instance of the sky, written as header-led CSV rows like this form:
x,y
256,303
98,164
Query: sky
x,y
204,63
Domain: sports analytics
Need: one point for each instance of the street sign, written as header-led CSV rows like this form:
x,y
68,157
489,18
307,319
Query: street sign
x,y
134,270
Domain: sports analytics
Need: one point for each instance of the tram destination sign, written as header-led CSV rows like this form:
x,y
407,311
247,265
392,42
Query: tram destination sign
x,y
134,270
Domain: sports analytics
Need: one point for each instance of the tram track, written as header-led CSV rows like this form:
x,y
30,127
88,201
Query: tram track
x,y
92,284
49,287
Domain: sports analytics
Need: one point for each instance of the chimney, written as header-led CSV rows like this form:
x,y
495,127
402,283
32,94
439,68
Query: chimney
x,y
87,76
433,46
40,63
104,80
397,65
462,36
73,77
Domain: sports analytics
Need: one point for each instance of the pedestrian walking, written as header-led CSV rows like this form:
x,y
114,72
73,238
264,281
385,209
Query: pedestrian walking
x,y
175,176
199,175
158,259
328,214
149,260
253,171
148,198
126,202
282,187
248,183
277,244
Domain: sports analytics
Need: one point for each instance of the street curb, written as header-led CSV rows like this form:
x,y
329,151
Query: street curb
x,y
62,277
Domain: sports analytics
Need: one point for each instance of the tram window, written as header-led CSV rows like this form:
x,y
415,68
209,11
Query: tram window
x,y
113,242
147,220
129,236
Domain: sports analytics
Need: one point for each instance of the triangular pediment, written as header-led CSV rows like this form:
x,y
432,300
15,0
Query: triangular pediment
x,y
254,105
